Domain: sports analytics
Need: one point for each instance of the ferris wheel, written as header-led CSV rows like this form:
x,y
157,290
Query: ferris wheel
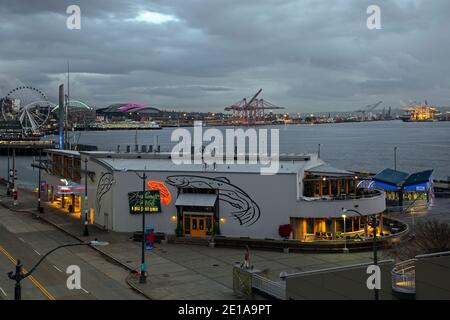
x,y
28,105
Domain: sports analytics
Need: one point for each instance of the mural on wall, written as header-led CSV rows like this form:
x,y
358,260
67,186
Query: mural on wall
x,y
246,211
104,185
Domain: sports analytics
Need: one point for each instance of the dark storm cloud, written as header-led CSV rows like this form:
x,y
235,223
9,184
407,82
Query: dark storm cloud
x,y
308,55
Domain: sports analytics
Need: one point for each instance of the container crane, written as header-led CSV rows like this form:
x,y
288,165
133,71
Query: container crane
x,y
250,112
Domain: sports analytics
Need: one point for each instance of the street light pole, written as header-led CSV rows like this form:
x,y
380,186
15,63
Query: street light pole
x,y
14,176
375,249
19,276
39,208
345,237
8,177
143,277
86,230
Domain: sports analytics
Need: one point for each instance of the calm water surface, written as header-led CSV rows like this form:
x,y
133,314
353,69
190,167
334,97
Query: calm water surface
x,y
364,146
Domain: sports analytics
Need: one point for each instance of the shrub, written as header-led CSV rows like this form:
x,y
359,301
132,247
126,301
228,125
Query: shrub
x,y
285,230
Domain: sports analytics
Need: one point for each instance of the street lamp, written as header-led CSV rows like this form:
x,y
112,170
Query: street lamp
x,y
143,276
345,237
19,276
375,253
40,208
86,230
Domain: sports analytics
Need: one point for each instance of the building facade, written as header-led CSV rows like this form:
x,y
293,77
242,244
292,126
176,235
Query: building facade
x,y
233,200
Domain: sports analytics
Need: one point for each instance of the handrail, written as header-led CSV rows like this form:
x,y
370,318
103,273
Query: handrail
x,y
268,286
340,268
430,255
373,194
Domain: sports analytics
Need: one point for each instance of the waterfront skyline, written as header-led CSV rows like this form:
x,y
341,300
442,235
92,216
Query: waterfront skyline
x,y
308,56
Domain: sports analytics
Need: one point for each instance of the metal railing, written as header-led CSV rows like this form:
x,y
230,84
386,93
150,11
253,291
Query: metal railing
x,y
404,277
355,196
270,287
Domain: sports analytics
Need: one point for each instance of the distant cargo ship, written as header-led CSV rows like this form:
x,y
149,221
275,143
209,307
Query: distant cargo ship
x,y
125,125
420,113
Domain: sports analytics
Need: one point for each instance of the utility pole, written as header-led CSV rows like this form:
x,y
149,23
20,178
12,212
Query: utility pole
x,y
86,230
8,176
39,208
143,277
14,177
61,139
375,251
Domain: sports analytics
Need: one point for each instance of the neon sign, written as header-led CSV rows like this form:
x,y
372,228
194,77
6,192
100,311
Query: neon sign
x,y
151,205
165,196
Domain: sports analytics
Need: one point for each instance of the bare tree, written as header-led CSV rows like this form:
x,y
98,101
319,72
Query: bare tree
x,y
431,236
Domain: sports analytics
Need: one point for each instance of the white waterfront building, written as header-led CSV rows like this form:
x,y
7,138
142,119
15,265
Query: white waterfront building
x,y
199,200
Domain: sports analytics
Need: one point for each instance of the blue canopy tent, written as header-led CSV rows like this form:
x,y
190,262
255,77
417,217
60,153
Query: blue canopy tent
x,y
401,182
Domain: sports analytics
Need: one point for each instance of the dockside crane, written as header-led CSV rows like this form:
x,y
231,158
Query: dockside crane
x,y
249,112
367,109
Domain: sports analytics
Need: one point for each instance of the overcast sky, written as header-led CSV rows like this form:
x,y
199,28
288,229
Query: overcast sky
x,y
306,55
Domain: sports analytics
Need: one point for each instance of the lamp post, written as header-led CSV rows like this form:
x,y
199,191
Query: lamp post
x,y
39,208
14,176
86,230
18,276
345,237
375,253
8,192
143,277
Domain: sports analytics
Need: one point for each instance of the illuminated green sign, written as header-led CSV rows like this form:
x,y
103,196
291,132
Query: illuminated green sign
x,y
152,202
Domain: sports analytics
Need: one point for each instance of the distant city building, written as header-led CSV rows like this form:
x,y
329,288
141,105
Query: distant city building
x,y
124,111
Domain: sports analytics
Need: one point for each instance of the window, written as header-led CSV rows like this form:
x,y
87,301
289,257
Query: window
x,y
328,225
187,224
310,225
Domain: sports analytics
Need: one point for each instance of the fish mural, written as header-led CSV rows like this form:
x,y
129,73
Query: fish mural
x,y
246,210
104,185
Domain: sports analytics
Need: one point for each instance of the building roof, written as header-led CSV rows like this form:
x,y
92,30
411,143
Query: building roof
x,y
72,153
392,177
326,169
166,164
196,200
128,108
418,177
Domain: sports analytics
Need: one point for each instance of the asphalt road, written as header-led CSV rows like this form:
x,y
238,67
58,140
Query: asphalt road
x,y
27,239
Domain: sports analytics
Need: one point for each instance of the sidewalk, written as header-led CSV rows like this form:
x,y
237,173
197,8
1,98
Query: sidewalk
x,y
179,271
166,279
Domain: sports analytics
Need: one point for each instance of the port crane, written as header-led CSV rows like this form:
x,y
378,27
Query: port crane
x,y
250,112
367,109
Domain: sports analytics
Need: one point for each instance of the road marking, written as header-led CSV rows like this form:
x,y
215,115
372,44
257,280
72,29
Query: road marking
x,y
36,252
3,291
84,290
21,239
57,268
32,279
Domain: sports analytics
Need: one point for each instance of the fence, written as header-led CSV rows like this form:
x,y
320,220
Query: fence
x,y
404,277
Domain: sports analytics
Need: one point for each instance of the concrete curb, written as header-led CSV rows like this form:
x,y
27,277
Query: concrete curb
x,y
128,281
104,254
